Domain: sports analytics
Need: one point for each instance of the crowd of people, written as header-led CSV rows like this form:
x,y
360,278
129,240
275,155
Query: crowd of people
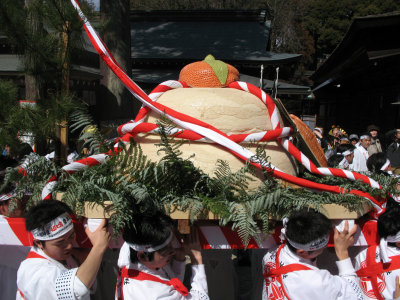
x,y
152,261
364,153
153,257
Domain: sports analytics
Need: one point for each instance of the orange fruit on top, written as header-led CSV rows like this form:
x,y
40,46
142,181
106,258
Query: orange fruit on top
x,y
208,73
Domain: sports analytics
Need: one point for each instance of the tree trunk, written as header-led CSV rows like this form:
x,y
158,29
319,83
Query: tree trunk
x,y
32,84
116,102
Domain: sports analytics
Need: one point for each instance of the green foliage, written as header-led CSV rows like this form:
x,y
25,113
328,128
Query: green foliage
x,y
328,21
132,185
39,120
46,34
8,103
82,121
36,28
39,172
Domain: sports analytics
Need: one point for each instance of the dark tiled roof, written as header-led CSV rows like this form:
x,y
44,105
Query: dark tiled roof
x,y
194,40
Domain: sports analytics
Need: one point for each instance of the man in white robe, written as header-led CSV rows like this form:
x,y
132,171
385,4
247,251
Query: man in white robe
x,y
361,155
51,270
291,271
150,267
378,266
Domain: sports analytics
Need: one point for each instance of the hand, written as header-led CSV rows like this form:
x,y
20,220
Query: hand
x,y
397,291
343,240
193,247
100,237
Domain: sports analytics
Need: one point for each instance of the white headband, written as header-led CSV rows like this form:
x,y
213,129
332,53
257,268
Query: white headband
x,y
54,229
150,248
5,197
364,137
384,167
318,129
345,153
311,246
383,246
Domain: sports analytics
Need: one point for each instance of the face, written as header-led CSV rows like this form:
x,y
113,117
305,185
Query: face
x,y
398,134
349,158
365,142
354,142
373,133
161,257
59,249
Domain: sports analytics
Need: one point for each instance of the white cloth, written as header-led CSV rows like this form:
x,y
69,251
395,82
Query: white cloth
x,y
386,282
344,164
315,283
73,156
150,290
40,279
360,160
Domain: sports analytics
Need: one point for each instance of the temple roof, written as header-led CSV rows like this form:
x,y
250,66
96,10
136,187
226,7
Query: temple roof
x,y
233,36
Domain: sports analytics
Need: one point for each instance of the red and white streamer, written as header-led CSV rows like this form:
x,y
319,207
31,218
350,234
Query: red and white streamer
x,y
213,237
209,132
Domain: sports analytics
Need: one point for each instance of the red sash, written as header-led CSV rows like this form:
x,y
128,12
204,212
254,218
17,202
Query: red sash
x,y
22,295
277,273
138,275
33,254
373,269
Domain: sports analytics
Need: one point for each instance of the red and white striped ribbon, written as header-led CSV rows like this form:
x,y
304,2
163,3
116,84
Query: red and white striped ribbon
x,y
204,129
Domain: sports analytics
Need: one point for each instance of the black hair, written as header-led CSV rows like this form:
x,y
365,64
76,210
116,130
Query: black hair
x,y
23,150
306,225
44,212
330,138
389,222
376,161
344,147
10,187
151,228
335,159
6,162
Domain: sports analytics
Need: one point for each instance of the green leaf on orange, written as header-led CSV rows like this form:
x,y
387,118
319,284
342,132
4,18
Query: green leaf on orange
x,y
219,67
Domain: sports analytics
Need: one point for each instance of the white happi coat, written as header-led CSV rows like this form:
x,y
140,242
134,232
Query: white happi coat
x,y
310,284
360,159
131,289
48,279
386,281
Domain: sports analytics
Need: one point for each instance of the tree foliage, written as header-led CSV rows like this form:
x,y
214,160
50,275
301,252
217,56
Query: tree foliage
x,y
46,35
8,104
328,21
